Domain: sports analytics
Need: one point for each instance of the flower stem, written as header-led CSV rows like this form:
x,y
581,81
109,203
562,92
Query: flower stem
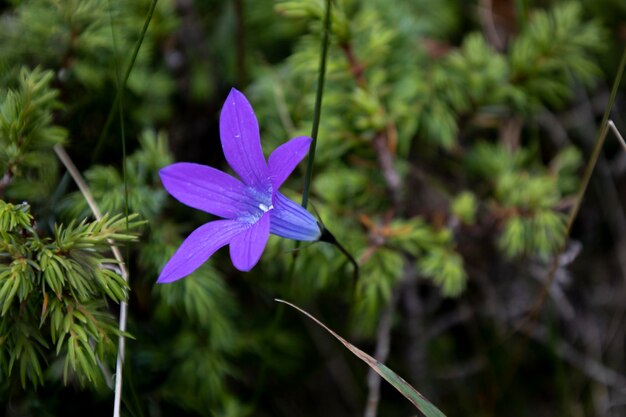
x,y
573,213
119,103
317,112
530,320
129,69
328,237
318,106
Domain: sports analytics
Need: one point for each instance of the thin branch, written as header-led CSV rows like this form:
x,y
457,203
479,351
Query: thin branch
x,y
121,85
617,134
383,344
78,179
355,66
91,202
591,164
587,365
530,321
487,21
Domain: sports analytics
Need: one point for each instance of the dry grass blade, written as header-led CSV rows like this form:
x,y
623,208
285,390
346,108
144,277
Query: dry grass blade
x,y
91,202
617,134
418,400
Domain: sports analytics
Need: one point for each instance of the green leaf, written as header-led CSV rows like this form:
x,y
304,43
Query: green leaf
x,y
390,376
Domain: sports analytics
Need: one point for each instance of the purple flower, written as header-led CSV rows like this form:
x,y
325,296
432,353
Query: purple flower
x,y
251,208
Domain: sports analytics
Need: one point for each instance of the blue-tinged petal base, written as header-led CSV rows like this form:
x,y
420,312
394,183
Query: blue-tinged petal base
x,y
247,247
292,221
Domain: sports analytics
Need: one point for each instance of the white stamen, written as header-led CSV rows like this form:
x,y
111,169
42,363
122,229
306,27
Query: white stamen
x,y
265,208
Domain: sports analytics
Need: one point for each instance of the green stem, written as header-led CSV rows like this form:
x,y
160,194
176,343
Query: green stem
x,y
591,164
120,104
328,237
131,64
355,265
318,106
526,326
317,112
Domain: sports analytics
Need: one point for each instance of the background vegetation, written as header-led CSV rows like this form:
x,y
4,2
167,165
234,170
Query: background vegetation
x,y
451,146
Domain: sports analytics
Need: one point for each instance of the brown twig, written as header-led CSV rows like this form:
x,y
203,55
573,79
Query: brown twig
x,y
357,70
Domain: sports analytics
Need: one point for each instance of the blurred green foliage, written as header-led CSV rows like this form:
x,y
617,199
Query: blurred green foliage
x,y
432,168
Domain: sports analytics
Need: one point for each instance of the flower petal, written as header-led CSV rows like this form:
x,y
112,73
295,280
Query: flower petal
x,y
206,189
292,221
246,248
198,247
241,142
286,157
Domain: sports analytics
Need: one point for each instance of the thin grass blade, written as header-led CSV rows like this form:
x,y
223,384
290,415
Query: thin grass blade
x,y
417,399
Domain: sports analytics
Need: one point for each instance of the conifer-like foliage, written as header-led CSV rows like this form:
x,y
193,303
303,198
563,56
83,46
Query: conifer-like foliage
x,y
451,146
55,285
27,136
53,296
384,106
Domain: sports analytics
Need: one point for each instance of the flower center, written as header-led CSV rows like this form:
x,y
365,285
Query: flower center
x,y
259,203
265,208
